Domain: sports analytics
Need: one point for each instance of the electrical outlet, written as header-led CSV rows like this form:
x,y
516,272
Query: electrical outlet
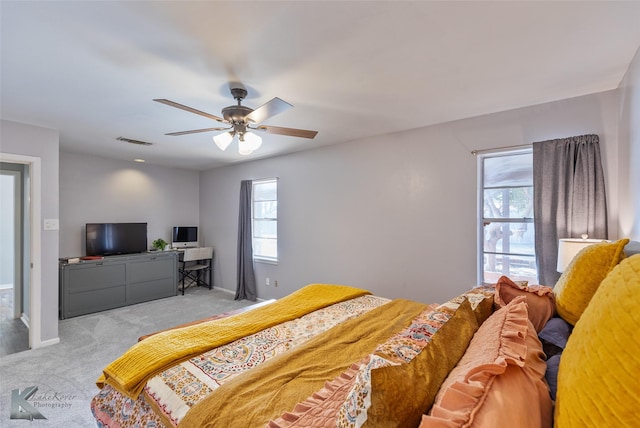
x,y
51,224
275,283
267,281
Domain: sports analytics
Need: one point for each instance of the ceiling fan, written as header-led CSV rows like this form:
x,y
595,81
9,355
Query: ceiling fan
x,y
242,121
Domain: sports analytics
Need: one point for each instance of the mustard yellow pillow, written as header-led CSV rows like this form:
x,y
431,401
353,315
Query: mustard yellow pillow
x,y
598,377
400,394
581,279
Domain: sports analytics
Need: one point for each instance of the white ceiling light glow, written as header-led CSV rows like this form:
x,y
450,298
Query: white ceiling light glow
x,y
248,142
223,140
254,140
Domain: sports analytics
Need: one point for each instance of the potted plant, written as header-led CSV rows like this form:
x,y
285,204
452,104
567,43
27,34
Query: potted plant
x,y
159,244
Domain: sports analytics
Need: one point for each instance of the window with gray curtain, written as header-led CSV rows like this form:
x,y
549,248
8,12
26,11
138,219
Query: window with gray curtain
x,y
569,197
506,216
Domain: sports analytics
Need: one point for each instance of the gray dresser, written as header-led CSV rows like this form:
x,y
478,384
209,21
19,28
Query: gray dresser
x,y
115,281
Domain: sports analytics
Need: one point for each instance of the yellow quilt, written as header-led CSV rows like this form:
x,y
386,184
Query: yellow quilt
x,y
129,373
266,391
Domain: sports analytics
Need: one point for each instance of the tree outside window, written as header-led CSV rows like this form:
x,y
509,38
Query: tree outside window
x,y
508,246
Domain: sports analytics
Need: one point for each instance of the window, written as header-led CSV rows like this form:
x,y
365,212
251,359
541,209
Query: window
x,y
506,226
265,220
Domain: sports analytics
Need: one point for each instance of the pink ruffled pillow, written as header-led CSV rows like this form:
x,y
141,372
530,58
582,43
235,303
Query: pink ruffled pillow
x,y
540,300
499,382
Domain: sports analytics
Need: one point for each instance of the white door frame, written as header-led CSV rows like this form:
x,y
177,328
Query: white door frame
x,y
34,195
18,218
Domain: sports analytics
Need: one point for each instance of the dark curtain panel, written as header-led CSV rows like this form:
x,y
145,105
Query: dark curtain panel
x,y
569,197
246,288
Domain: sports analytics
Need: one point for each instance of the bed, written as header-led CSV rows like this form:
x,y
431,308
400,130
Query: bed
x,y
332,355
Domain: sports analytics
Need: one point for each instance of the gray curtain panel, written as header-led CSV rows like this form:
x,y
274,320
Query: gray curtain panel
x,y
569,197
246,287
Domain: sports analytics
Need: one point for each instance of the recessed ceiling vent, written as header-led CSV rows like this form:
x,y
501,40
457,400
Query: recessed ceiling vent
x,y
138,142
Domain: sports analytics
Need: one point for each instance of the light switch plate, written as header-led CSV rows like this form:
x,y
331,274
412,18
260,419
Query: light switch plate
x,y
51,224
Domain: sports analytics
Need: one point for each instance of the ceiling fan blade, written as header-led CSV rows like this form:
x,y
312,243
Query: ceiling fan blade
x,y
189,109
291,132
195,131
267,110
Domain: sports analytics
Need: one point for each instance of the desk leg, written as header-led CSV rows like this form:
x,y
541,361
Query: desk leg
x,y
210,274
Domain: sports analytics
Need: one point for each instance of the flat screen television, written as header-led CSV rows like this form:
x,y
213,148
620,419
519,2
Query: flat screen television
x,y
184,236
108,239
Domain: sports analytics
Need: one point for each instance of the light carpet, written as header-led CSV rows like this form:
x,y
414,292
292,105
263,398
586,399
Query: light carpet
x,y
65,373
14,335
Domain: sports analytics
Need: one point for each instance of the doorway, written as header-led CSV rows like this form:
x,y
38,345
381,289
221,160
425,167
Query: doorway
x,y
14,284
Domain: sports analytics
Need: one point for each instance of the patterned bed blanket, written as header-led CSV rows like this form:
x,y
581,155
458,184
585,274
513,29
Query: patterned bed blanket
x,y
264,393
130,372
208,388
169,395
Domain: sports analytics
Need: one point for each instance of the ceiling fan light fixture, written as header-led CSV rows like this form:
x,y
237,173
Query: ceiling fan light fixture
x,y
239,118
254,140
223,140
244,147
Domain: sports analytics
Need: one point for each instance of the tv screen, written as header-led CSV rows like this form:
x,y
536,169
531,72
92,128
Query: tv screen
x,y
107,239
185,236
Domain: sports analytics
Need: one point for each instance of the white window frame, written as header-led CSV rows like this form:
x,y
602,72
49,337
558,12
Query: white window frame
x,y
261,257
480,195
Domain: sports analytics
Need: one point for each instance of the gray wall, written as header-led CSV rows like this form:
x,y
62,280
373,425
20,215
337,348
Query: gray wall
x,y
101,190
395,214
27,140
629,171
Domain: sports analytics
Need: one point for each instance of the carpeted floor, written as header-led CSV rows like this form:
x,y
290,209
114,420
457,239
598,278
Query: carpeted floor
x,y
14,335
65,373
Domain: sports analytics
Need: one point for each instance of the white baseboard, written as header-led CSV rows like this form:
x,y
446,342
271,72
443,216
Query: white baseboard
x,y
49,342
25,319
225,290
234,293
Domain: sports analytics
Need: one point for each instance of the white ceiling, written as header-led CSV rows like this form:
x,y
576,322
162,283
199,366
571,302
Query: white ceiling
x,y
352,69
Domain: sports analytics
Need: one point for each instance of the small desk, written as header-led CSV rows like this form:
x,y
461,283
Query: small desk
x,y
192,261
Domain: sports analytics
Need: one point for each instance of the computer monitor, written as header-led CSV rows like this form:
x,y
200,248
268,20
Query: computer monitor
x,y
184,237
